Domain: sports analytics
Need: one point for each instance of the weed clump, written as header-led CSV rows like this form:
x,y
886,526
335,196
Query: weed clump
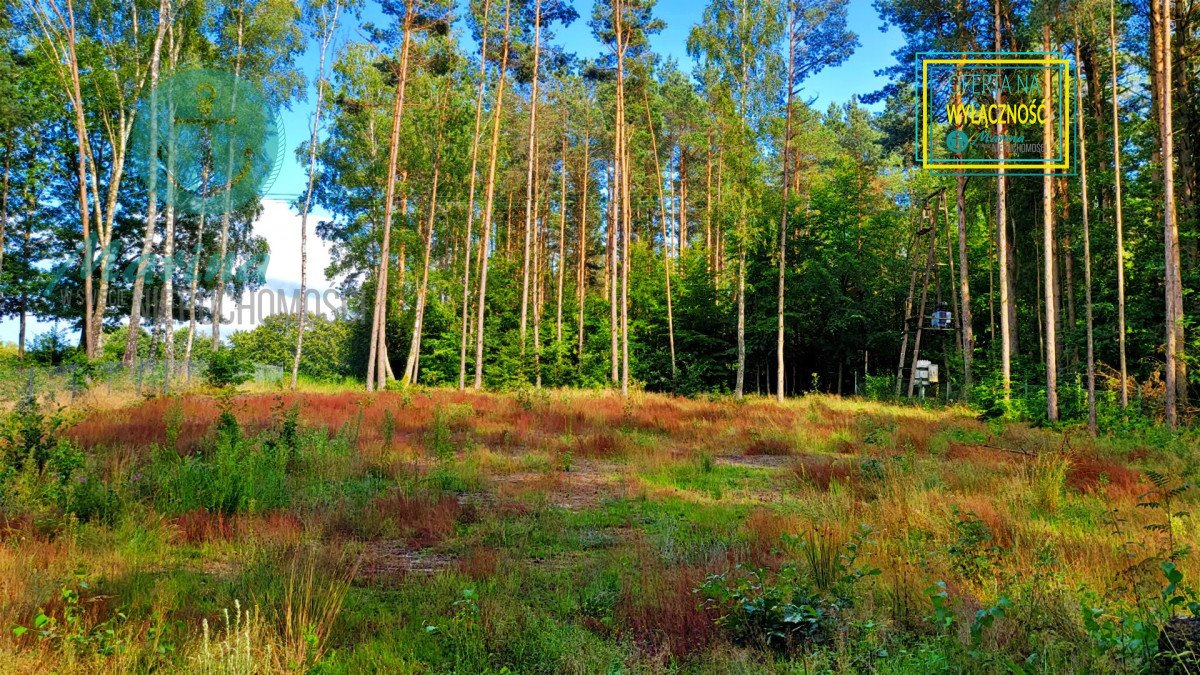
x,y
45,476
237,475
796,606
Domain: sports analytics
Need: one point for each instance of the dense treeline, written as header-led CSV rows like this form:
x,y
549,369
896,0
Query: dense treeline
x,y
505,213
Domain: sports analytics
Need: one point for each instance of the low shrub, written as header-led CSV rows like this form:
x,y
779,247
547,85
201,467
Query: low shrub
x,y
45,475
226,368
796,606
973,552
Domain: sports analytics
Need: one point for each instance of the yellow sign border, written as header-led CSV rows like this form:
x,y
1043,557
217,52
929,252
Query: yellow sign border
x,y
1066,117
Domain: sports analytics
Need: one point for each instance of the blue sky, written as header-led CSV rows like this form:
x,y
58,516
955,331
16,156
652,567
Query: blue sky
x,y
280,225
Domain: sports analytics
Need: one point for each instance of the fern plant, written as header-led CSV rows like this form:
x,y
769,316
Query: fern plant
x,y
1163,498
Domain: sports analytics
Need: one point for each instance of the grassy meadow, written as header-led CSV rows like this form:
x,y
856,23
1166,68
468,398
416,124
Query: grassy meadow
x,y
436,531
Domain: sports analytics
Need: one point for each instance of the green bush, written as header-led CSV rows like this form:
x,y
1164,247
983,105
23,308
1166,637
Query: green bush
x,y
227,369
759,608
327,344
51,348
28,434
880,387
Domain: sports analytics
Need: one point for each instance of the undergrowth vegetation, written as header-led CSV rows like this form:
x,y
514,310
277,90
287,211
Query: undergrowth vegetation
x,y
438,531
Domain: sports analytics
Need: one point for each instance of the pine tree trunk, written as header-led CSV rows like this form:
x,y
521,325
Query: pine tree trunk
x,y
25,253
683,202
708,207
743,224
489,201
966,318
1120,207
1174,296
1003,246
626,245
562,235
538,289
955,306
610,271
581,283
739,384
1087,253
929,259
378,363
414,348
4,202
666,237
908,307
466,294
1066,277
530,177
621,173
785,184
1048,245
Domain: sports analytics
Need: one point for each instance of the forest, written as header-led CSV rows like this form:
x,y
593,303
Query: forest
x,y
502,213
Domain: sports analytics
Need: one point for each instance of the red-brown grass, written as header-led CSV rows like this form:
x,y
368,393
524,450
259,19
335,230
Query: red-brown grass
x,y
422,520
763,533
396,461
17,527
599,445
145,424
201,525
1087,473
277,527
773,447
522,487
1140,454
822,472
984,508
980,454
479,563
397,418
93,605
517,433
711,412
659,416
659,612
781,415
560,419
913,433
846,446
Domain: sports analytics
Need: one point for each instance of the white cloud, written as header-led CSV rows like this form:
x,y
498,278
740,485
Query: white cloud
x,y
279,224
